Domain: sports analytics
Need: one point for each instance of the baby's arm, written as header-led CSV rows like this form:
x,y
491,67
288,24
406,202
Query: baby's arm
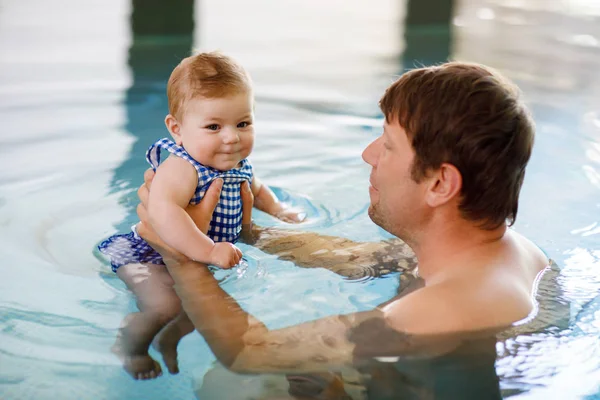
x,y
265,200
173,187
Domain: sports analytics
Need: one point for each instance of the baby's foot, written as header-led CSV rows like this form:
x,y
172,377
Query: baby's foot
x,y
139,366
166,344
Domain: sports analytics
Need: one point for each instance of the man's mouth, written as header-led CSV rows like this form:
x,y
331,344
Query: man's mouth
x,y
372,185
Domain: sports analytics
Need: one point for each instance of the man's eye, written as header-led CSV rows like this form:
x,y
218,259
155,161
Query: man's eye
x,y
213,127
243,124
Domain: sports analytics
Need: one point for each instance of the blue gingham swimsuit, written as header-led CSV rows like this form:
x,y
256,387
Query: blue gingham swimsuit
x,y
226,223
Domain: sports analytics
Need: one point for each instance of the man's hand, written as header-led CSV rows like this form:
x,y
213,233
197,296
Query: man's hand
x,y
201,213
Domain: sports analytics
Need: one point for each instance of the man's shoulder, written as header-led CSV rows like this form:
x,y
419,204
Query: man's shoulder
x,y
459,306
494,290
429,310
527,253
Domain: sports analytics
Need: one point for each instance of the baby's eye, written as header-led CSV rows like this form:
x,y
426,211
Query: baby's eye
x,y
243,124
213,127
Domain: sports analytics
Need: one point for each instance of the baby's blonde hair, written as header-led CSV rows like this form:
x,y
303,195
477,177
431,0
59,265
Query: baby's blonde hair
x,y
210,75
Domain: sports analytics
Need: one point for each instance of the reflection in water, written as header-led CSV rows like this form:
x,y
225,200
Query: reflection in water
x,y
428,32
468,372
163,34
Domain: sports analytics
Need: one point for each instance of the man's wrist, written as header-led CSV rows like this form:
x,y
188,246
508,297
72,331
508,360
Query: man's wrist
x,y
247,235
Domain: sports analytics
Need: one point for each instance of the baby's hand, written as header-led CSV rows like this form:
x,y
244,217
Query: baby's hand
x,y
291,215
225,255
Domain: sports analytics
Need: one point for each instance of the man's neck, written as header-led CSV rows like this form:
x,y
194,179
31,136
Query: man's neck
x,y
455,245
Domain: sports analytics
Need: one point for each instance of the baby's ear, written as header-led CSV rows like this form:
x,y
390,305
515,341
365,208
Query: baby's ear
x,y
173,128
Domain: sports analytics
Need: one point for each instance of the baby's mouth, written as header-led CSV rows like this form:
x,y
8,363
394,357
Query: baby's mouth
x,y
230,152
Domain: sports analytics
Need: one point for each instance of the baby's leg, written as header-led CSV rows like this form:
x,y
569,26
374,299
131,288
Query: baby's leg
x,y
167,340
158,304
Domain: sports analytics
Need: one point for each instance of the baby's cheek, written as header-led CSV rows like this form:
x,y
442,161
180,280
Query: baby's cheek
x,y
250,143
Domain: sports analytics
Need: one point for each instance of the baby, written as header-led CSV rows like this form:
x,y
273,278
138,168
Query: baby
x,y
211,122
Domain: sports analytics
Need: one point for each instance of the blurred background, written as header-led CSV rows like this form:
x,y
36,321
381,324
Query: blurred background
x,y
82,96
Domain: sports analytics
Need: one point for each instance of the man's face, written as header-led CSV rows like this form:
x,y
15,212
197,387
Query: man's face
x,y
397,203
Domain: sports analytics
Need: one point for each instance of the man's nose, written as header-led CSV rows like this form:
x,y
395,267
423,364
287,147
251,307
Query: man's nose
x,y
369,154
230,136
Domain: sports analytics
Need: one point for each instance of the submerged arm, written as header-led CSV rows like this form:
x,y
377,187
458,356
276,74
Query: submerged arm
x,y
244,344
340,255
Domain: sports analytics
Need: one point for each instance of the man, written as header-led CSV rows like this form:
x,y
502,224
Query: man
x,y
446,177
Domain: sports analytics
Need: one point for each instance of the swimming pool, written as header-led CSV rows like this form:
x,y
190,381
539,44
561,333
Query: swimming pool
x,y
82,97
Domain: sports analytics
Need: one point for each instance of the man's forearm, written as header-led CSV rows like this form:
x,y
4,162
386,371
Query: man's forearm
x,y
340,255
214,314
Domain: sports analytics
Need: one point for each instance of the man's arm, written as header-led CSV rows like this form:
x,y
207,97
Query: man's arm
x,y
244,344
342,256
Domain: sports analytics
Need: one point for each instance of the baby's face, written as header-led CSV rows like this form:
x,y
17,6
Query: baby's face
x,y
218,132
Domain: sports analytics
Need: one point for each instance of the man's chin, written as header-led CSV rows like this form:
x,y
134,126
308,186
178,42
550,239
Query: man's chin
x,y
377,218
373,215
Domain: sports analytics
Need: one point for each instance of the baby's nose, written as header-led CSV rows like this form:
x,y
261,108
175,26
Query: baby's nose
x,y
230,136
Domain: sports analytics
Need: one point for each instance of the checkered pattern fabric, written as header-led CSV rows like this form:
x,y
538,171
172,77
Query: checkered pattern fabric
x,y
227,219
128,248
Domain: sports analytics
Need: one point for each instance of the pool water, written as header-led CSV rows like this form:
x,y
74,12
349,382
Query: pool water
x,y
82,96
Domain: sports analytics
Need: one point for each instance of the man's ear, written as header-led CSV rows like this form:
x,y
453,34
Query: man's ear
x,y
173,128
446,184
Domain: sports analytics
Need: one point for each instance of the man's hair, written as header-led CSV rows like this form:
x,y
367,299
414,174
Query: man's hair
x,y
209,75
469,116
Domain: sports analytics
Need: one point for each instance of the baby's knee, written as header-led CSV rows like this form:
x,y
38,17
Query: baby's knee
x,y
164,307
168,310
